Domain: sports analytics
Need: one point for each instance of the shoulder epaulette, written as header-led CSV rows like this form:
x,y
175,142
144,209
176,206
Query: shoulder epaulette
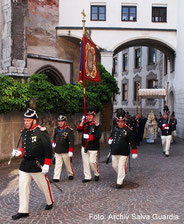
x,y
42,128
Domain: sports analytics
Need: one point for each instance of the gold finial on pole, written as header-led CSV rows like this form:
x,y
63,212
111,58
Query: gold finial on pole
x,y
83,21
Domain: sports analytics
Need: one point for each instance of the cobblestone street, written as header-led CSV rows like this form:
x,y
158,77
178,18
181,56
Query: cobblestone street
x,y
153,192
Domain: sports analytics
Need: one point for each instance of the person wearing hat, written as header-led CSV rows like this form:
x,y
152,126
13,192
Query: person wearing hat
x,y
165,126
120,140
63,144
36,147
90,153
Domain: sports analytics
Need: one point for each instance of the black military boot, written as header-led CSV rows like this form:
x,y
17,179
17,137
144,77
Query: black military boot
x,y
55,180
48,207
70,178
20,215
97,178
86,180
118,186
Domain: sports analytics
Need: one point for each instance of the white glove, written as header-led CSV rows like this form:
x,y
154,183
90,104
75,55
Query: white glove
x,y
85,136
70,154
53,145
45,168
16,153
134,156
110,141
82,120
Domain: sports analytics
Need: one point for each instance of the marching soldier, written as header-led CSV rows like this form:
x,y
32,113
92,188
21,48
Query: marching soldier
x,y
36,146
63,143
90,154
165,126
121,138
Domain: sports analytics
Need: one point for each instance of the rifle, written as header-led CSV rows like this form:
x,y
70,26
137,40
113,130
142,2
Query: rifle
x,y
50,179
9,162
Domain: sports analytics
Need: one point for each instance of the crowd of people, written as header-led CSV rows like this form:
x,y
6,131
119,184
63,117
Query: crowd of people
x,y
38,149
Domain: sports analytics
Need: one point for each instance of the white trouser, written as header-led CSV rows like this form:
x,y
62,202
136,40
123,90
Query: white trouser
x,y
166,143
90,158
24,189
119,163
59,163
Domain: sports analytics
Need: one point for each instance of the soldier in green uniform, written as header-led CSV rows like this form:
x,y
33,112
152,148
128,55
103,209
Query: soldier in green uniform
x,y
63,144
90,154
120,140
36,146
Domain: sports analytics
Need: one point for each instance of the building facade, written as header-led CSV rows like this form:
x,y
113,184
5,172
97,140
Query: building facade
x,y
143,67
28,42
49,34
117,26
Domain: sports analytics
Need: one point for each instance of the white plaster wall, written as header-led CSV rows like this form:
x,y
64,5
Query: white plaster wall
x,y
70,13
179,73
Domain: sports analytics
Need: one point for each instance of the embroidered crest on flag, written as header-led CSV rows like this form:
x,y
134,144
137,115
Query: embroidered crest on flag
x,y
90,61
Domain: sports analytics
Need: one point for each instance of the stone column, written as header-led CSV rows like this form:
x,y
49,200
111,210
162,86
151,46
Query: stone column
x,y
107,60
13,38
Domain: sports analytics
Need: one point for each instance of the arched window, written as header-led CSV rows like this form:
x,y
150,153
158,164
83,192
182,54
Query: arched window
x,y
54,76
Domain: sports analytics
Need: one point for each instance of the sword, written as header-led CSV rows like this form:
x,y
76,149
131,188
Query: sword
x,y
9,162
50,179
109,155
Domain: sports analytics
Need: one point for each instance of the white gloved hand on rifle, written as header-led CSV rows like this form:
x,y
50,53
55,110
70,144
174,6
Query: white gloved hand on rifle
x,y
85,136
16,153
82,120
70,154
134,156
53,145
45,168
110,141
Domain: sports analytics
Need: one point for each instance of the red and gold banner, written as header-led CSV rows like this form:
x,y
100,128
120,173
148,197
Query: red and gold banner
x,y
88,62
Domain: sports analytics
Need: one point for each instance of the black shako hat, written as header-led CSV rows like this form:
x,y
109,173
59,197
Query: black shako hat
x,y
120,116
62,117
30,113
91,111
166,109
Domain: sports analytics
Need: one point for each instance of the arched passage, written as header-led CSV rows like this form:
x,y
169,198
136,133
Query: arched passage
x,y
163,47
54,76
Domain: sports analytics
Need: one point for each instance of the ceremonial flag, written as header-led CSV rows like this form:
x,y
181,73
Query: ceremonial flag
x,y
88,63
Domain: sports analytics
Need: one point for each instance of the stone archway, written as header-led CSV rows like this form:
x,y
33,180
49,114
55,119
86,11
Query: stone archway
x,y
54,76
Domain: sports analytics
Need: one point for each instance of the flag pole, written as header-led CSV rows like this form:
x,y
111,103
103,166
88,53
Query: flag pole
x,y
84,83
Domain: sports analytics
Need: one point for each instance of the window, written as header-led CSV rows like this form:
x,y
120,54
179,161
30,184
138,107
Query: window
x,y
151,56
138,58
152,84
98,13
128,13
136,86
165,65
124,92
115,65
159,14
125,62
